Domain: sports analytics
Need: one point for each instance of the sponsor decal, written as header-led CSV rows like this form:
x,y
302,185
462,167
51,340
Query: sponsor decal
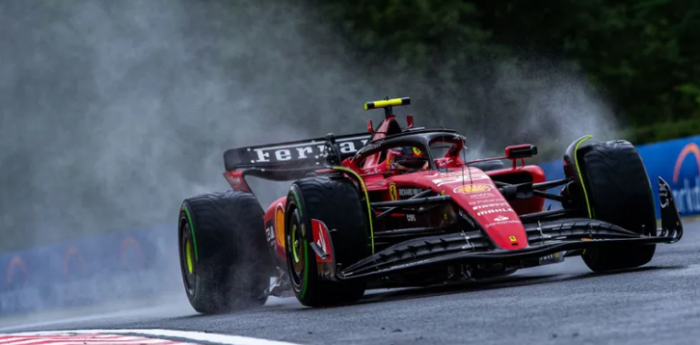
x,y
458,178
501,218
374,170
497,204
236,181
411,217
321,237
444,163
409,192
482,195
513,239
687,196
496,210
501,223
270,232
417,151
483,201
392,192
472,188
309,150
552,258
458,173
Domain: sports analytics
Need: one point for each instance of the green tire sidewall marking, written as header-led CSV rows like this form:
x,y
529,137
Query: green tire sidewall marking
x,y
369,208
591,213
296,199
194,238
194,244
305,278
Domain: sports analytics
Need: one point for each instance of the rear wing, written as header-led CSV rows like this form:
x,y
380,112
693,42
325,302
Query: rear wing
x,y
280,161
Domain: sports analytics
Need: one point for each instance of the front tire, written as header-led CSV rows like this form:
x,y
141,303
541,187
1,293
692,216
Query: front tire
x,y
223,253
618,192
335,203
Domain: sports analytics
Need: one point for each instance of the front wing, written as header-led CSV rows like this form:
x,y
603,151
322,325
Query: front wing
x,y
545,238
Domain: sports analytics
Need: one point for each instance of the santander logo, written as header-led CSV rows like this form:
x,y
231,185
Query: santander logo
x,y
688,195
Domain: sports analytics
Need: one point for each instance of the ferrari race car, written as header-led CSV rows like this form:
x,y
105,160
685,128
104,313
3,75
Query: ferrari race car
x,y
400,206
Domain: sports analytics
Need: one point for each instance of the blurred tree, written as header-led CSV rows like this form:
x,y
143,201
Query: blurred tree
x,y
642,54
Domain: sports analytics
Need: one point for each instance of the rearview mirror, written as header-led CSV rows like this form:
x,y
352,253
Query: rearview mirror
x,y
521,151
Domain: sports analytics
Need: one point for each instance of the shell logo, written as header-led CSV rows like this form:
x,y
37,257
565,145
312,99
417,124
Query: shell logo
x,y
472,188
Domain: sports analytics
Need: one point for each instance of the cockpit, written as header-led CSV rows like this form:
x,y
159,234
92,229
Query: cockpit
x,y
415,151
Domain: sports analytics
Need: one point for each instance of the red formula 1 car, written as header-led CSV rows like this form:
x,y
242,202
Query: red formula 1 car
x,y
401,207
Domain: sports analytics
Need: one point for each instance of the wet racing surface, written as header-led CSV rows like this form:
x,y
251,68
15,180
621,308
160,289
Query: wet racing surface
x,y
563,303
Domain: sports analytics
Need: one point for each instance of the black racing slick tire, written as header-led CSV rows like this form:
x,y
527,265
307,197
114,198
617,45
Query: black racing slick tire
x,y
618,192
224,260
336,203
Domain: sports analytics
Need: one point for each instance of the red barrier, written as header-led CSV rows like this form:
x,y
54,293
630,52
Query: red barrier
x,y
14,263
130,242
70,253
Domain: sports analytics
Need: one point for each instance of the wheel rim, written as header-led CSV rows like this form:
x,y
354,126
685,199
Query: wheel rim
x,y
295,245
188,250
296,251
188,263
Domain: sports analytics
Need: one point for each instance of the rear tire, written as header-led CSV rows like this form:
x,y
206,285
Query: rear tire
x,y
223,253
336,203
618,192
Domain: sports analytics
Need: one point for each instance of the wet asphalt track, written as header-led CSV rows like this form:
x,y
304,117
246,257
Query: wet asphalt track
x,y
557,304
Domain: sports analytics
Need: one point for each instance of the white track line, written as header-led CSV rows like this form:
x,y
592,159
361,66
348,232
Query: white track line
x,y
166,333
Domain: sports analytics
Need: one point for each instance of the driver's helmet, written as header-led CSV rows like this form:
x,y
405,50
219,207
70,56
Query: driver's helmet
x,y
407,154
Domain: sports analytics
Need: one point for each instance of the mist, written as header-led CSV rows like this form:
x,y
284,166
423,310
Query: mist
x,y
112,112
